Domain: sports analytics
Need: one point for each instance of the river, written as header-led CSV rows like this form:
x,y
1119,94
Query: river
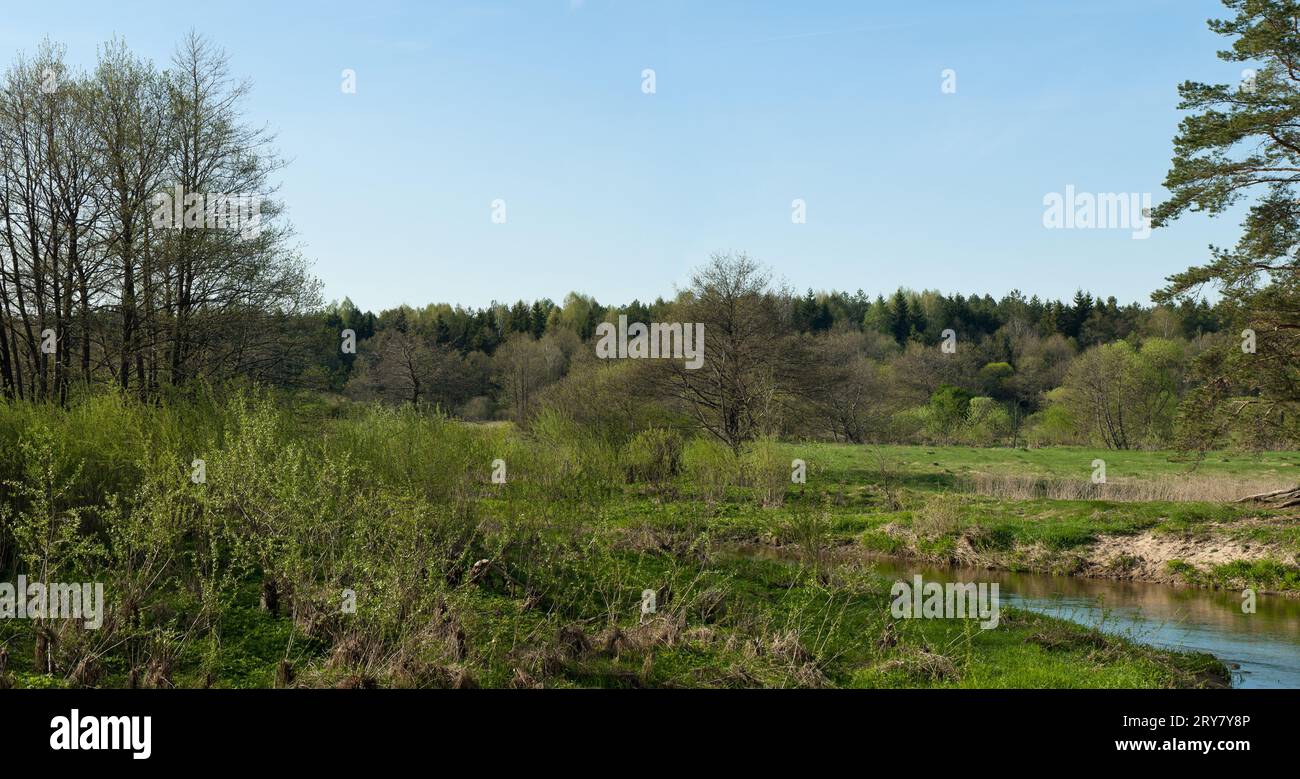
x,y
1262,649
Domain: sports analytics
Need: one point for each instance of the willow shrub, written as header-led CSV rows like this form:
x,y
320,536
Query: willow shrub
x,y
711,467
766,470
653,456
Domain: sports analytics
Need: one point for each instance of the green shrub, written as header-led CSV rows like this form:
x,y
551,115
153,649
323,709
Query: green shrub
x,y
987,422
1184,569
1270,574
908,424
710,467
767,471
567,460
653,456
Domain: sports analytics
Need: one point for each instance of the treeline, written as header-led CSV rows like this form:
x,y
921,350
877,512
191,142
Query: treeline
x,y
911,367
905,315
139,242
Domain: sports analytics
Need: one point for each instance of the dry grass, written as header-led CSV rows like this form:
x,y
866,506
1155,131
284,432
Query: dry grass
x,y
922,664
941,516
1210,489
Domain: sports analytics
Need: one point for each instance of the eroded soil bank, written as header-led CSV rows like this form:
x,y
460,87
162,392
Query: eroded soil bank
x,y
1218,558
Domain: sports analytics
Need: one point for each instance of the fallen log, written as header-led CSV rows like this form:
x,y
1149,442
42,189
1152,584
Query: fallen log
x,y
1280,499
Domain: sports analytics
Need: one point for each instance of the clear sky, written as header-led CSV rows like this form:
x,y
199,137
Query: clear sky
x,y
618,193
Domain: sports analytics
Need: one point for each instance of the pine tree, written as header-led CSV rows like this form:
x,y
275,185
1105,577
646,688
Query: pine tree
x,y
1241,141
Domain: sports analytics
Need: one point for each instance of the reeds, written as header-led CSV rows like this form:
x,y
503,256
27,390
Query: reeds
x,y
1179,489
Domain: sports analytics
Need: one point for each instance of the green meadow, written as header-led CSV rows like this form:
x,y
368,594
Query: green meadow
x,y
252,541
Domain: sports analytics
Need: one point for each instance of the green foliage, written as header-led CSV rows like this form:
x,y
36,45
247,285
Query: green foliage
x,y
571,458
1237,142
987,422
45,525
653,456
1259,573
766,469
947,410
1056,424
711,467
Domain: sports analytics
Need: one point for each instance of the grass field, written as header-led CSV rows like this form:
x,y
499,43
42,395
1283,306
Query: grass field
x,y
939,466
538,578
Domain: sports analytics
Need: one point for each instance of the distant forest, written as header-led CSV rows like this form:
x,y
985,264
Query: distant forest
x,y
905,315
1023,370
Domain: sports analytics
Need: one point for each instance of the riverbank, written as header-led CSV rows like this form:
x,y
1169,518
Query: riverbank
x,y
1191,545
1157,517
1261,647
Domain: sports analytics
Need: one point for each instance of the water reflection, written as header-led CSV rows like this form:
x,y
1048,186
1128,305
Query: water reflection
x,y
1262,648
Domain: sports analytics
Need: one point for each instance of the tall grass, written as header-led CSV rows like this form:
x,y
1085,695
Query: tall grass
x,y
1194,488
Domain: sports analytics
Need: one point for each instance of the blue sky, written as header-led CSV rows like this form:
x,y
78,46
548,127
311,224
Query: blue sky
x,y
620,194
